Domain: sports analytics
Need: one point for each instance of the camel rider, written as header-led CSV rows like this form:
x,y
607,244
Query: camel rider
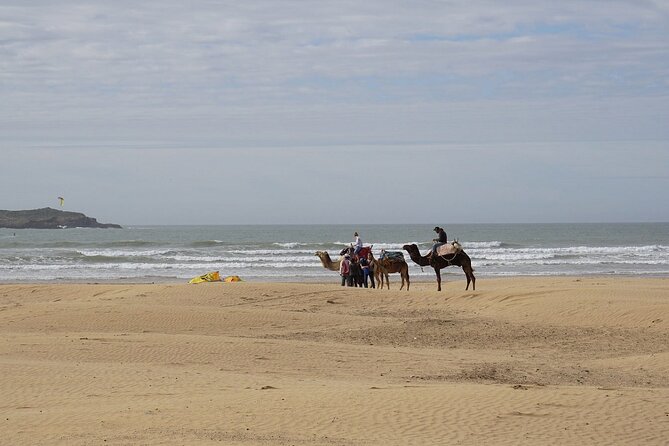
x,y
440,240
357,244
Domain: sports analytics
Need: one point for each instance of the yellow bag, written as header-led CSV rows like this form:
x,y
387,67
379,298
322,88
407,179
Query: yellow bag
x,y
232,279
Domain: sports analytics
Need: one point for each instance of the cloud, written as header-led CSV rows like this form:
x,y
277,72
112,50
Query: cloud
x,y
262,79
152,54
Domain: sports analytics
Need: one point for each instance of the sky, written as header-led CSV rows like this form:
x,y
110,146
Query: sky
x,y
342,112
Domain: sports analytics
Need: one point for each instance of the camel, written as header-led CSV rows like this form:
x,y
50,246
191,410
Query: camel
x,y
327,261
459,259
382,267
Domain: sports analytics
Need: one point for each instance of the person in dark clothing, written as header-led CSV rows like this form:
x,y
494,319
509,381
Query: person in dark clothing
x,y
355,278
441,239
366,273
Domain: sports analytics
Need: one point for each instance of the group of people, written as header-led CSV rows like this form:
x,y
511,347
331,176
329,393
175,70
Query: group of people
x,y
358,271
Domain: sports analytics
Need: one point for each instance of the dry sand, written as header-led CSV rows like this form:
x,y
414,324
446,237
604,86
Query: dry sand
x,y
518,361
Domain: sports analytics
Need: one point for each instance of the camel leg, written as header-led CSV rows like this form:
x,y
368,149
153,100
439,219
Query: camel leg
x,y
464,268
469,272
438,273
407,274
382,274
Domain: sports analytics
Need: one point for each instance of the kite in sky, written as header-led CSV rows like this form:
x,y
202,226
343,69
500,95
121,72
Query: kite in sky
x,y
62,200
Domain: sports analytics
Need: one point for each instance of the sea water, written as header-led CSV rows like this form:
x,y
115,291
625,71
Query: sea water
x,y
287,253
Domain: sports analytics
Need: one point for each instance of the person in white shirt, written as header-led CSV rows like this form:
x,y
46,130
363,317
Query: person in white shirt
x,y
357,244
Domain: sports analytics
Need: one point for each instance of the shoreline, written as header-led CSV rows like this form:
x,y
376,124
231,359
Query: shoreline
x,y
446,277
530,360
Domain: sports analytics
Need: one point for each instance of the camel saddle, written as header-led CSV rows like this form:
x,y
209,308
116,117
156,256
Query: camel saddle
x,y
393,256
449,249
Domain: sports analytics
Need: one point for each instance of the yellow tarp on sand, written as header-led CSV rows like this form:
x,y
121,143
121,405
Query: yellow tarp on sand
x,y
214,276
209,277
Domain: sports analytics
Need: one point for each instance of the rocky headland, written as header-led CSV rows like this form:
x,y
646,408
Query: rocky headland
x,y
48,218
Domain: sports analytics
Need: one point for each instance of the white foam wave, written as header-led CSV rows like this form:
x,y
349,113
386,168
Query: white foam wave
x,y
122,253
289,244
480,245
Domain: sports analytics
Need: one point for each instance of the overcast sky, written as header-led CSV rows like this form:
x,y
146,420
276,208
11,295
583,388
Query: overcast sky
x,y
275,111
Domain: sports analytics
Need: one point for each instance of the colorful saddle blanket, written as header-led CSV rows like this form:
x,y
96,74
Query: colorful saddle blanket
x,y
393,256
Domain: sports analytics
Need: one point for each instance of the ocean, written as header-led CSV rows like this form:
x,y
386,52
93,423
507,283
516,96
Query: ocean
x,y
146,254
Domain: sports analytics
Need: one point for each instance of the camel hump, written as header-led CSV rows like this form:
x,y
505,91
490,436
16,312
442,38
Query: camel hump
x,y
448,249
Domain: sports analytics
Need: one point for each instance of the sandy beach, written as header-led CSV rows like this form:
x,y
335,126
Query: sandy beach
x,y
542,360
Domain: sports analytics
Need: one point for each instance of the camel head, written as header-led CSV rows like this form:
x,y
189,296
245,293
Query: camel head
x,y
323,255
416,256
413,248
326,261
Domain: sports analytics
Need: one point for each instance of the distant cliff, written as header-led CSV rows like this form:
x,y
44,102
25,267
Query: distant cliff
x,y
47,218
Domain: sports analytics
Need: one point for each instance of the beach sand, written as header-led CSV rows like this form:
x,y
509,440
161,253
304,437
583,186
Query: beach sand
x,y
542,360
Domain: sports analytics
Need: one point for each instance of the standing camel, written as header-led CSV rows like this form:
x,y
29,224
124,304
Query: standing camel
x,y
460,258
382,267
